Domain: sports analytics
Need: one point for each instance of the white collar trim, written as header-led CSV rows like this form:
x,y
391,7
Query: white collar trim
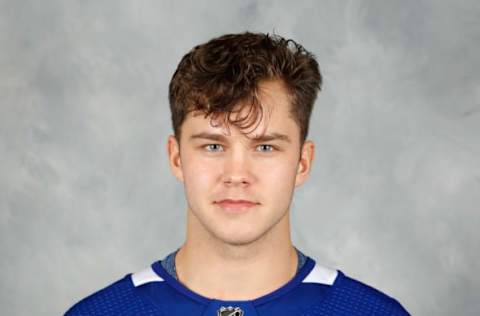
x,y
322,275
319,274
145,276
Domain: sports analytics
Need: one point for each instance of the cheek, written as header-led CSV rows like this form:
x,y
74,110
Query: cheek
x,y
278,182
278,173
200,174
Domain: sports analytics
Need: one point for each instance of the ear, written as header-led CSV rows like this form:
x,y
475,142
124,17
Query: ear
x,y
305,162
174,159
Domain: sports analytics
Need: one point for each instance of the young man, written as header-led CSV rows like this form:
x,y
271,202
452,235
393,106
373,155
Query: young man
x,y
240,105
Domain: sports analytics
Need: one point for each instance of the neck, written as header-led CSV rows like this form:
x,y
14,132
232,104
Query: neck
x,y
210,267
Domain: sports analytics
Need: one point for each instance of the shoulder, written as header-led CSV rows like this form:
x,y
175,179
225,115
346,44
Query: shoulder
x,y
351,294
331,292
117,298
109,300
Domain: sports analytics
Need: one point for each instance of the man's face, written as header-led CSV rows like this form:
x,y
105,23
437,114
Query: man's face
x,y
234,166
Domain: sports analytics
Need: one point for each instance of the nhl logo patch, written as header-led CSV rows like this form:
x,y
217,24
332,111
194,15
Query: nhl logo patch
x,y
229,311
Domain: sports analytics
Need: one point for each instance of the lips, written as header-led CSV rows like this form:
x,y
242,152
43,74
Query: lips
x,y
236,206
230,201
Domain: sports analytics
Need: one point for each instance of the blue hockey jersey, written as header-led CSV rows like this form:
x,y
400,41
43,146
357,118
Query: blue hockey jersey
x,y
315,290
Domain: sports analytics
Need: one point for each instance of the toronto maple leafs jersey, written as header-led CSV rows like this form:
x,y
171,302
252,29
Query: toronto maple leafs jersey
x,y
314,290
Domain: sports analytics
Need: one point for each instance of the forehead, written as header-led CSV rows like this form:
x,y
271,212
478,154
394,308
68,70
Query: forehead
x,y
276,117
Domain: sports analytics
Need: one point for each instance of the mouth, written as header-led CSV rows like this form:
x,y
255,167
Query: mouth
x,y
236,206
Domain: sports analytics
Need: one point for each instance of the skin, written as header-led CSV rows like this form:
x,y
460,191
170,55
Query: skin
x,y
247,255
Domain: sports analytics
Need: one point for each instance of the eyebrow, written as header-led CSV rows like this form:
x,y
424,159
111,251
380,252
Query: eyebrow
x,y
261,138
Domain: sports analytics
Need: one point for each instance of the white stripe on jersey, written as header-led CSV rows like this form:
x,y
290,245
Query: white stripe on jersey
x,y
145,276
322,275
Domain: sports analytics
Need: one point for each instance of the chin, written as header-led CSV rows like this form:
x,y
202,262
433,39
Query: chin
x,y
239,238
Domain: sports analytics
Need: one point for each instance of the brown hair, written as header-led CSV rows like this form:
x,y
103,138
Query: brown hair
x,y
216,76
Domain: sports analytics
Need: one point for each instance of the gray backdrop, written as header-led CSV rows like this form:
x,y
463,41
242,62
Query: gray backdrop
x,y
86,193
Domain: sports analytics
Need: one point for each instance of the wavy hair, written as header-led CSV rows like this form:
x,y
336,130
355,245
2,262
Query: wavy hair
x,y
216,76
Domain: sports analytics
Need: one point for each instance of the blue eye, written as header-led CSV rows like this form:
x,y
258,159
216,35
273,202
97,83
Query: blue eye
x,y
217,147
270,146
210,146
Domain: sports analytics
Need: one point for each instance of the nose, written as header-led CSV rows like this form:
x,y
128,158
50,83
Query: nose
x,y
236,170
